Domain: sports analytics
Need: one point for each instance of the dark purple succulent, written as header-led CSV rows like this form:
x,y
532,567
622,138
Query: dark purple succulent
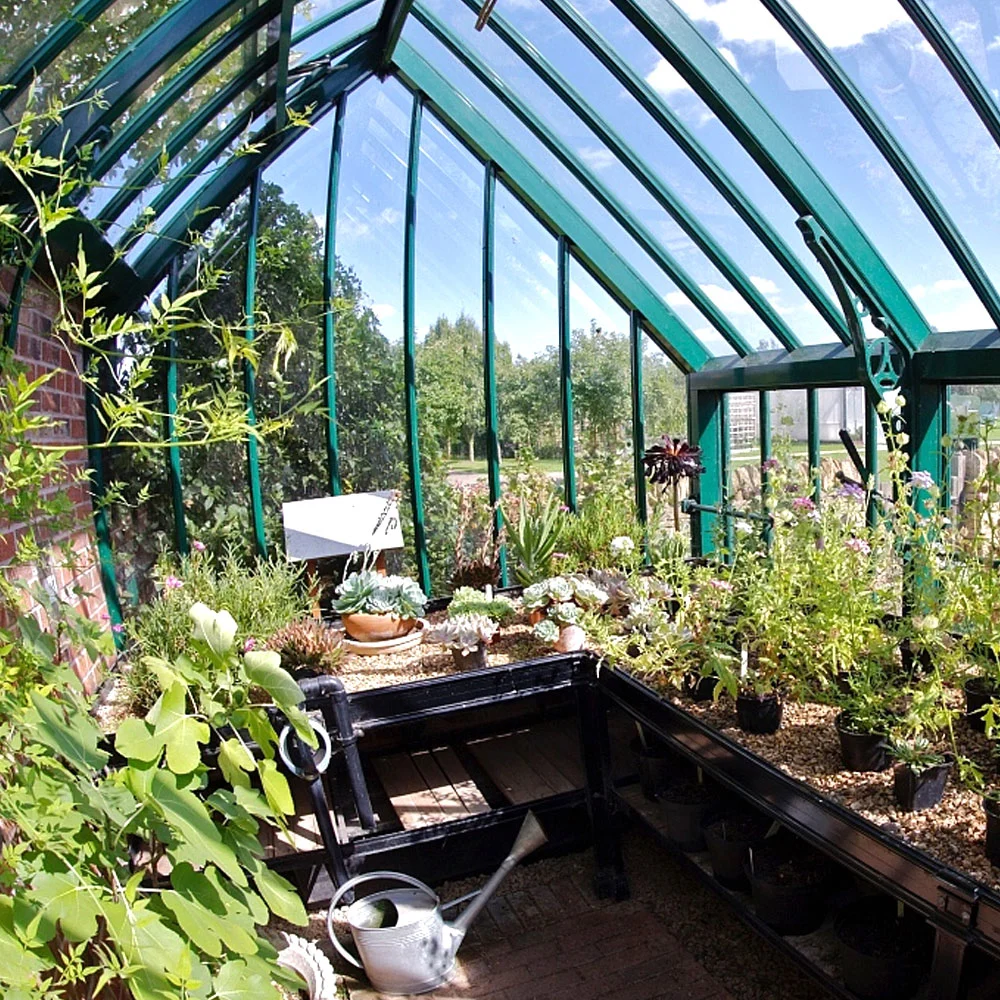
x,y
672,460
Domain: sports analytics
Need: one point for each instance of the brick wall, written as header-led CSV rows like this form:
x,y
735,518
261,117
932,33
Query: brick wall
x,y
75,579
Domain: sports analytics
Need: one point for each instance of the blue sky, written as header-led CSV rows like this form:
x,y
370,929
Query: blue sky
x,y
873,40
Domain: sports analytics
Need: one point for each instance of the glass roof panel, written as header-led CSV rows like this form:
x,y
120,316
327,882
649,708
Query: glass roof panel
x,y
915,95
785,82
974,26
315,44
24,24
559,177
614,105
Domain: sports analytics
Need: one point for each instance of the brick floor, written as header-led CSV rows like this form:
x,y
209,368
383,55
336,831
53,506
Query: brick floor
x,y
558,941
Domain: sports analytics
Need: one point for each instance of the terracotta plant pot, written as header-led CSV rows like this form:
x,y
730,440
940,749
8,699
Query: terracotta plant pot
x,y
535,615
571,638
377,628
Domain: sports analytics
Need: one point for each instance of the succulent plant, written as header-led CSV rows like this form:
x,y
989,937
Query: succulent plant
x,y
464,632
672,460
546,631
309,645
554,590
370,593
566,613
468,600
586,593
616,585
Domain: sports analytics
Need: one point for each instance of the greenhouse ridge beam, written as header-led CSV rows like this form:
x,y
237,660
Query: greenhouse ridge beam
x,y
894,153
957,65
388,29
661,192
736,197
728,96
551,207
611,202
205,206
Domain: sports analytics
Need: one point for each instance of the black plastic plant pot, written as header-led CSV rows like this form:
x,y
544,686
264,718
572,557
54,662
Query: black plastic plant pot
x,y
729,839
789,885
474,660
916,790
992,809
979,692
882,955
759,713
658,767
700,688
859,750
683,807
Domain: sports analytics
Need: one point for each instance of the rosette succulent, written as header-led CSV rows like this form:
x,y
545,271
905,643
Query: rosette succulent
x,y
372,594
566,613
464,633
546,631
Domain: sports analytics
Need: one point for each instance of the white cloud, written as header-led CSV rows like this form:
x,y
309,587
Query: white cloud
x,y
665,80
727,299
967,315
350,227
764,285
597,158
390,216
549,266
677,300
942,286
383,311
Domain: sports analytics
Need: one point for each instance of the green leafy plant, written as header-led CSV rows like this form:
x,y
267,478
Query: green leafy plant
x,y
468,600
370,593
533,539
86,910
916,753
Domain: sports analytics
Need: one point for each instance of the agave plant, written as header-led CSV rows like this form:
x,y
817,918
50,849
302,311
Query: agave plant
x,y
670,461
533,540
464,633
370,593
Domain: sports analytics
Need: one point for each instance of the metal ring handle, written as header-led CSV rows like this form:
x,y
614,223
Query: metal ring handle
x,y
324,737
357,880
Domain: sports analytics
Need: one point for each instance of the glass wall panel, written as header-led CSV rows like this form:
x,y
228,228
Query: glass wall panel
x,y
369,293
289,302
781,77
24,24
449,352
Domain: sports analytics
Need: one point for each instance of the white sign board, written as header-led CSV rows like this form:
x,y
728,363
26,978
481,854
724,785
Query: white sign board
x,y
338,526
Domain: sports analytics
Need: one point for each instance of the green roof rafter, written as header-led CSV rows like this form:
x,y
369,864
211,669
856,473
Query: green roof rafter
x,y
894,153
622,214
736,197
209,201
389,28
661,192
458,112
975,90
729,97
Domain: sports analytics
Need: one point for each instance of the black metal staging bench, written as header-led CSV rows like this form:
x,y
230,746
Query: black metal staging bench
x,y
464,815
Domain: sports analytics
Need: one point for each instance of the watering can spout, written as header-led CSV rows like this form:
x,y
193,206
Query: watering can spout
x,y
530,837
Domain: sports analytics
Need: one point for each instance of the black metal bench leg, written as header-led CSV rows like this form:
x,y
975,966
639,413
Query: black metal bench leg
x,y
610,880
947,967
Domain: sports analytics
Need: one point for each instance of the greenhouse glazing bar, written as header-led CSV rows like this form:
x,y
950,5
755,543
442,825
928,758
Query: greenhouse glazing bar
x,y
174,475
735,196
664,196
812,441
635,336
627,219
728,96
566,376
410,345
329,296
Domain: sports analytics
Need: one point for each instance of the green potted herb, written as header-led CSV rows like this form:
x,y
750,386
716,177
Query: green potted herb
x,y
374,608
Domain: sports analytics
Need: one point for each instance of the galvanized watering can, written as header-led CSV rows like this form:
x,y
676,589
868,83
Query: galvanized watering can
x,y
404,943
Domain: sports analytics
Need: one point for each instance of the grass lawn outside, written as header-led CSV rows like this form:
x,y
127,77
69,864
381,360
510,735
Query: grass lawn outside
x,y
507,465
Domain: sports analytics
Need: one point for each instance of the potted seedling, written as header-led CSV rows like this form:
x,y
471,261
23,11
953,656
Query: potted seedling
x,y
729,839
865,698
467,636
375,608
920,775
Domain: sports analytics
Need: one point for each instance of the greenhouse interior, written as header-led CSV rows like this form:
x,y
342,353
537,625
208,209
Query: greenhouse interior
x,y
500,499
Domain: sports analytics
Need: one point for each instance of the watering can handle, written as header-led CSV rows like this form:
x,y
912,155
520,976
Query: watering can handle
x,y
357,880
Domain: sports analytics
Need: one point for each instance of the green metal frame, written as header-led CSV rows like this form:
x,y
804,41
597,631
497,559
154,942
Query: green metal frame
x,y
284,52
410,347
635,336
249,375
324,22
812,441
729,97
724,184
705,427
566,374
388,29
626,218
551,208
726,460
174,471
489,359
893,152
976,92
13,309
329,292
872,425
765,432
649,178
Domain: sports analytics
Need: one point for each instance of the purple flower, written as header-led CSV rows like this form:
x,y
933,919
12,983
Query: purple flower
x,y
858,545
173,583
769,465
563,508
198,546
105,617
803,504
117,628
720,584
850,491
922,480
249,644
